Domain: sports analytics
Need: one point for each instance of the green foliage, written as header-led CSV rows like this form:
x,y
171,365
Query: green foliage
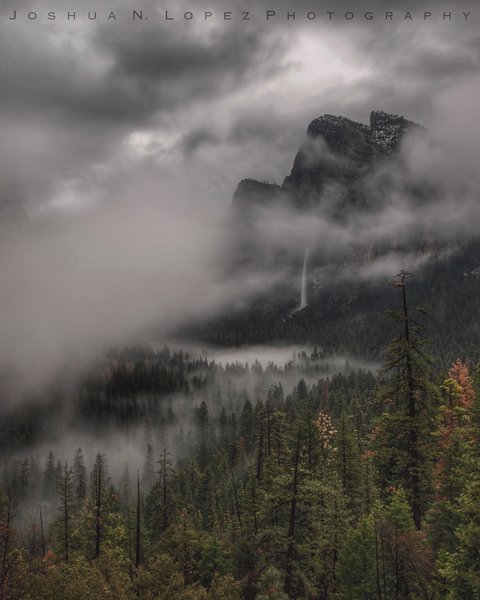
x,y
215,561
403,438
358,563
271,585
75,580
309,489
460,560
161,579
225,588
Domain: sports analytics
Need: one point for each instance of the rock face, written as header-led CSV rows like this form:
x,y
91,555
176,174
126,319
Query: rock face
x,y
329,168
344,174
251,193
388,130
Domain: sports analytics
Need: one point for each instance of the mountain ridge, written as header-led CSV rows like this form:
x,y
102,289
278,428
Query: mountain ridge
x,y
336,150
367,216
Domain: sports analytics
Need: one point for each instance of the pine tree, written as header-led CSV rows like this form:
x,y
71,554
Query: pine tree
x,y
233,445
202,420
358,565
408,567
223,428
148,469
6,540
460,567
99,493
349,465
42,532
215,560
24,480
293,518
159,504
49,486
403,439
66,495
246,428
79,476
138,531
270,585
459,559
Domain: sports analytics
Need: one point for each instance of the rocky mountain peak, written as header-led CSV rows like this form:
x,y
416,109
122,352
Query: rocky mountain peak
x,y
332,125
251,192
331,164
342,136
384,131
388,129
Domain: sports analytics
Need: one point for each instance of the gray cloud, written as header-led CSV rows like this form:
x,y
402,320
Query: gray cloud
x,y
121,147
103,81
198,138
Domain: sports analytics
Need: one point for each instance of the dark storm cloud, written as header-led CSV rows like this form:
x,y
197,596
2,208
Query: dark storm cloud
x,y
170,57
121,73
198,138
63,81
88,87
124,77
152,125
263,126
78,92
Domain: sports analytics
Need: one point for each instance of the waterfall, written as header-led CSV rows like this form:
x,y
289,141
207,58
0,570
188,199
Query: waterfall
x,y
303,296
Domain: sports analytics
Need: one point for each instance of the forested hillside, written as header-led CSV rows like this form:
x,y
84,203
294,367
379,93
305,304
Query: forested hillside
x,y
347,315
356,207
356,485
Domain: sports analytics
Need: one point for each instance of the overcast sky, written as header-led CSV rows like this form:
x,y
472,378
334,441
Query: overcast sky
x,y
121,143
84,104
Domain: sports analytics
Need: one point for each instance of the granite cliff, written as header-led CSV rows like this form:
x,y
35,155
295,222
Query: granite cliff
x,y
332,166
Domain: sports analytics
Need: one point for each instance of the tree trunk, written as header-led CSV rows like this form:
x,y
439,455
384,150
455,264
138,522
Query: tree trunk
x,y
279,443
138,534
412,414
397,568
164,490
98,509
187,565
292,522
377,561
268,429
384,572
6,545
42,535
237,507
344,456
260,451
65,509
129,530
254,507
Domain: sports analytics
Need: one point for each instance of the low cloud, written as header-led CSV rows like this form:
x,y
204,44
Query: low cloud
x,y
121,149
